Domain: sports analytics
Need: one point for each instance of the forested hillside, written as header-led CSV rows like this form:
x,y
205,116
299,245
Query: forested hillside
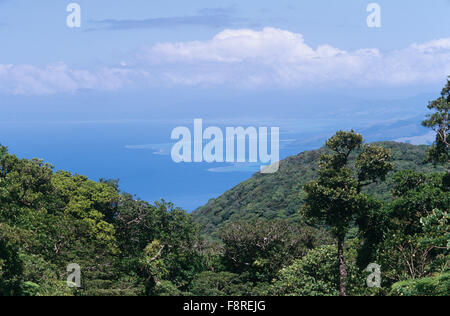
x,y
280,195
349,219
49,220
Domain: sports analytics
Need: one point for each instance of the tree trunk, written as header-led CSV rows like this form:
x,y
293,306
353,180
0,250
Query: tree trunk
x,y
342,267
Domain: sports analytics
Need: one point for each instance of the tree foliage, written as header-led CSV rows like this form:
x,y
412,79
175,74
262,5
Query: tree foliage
x,y
335,197
439,121
280,195
380,202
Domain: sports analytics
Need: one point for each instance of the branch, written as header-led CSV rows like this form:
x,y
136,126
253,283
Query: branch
x,y
157,255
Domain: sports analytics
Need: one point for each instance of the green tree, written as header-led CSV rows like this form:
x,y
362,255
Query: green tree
x,y
317,274
160,242
438,285
223,283
415,234
11,266
439,121
335,197
257,249
437,229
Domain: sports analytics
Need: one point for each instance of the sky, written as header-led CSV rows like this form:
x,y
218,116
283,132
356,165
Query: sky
x,y
102,99
282,43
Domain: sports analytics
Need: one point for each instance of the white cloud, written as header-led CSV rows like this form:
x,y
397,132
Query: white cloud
x,y
60,78
234,46
433,46
243,58
273,56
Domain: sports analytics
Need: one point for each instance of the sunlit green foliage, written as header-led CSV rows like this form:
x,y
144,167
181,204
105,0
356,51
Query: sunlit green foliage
x,y
380,203
281,195
438,285
439,121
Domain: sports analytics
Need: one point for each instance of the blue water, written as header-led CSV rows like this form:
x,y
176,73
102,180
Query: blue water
x,y
88,134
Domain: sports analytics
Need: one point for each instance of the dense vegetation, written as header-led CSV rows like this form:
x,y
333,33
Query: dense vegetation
x,y
281,195
310,229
